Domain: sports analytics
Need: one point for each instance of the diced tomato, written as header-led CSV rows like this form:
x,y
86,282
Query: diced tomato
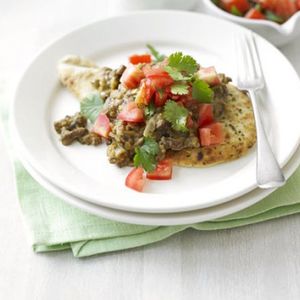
x,y
131,113
161,81
161,97
145,93
132,76
282,8
211,134
206,115
135,179
189,122
241,5
137,59
254,13
209,75
102,125
163,171
158,76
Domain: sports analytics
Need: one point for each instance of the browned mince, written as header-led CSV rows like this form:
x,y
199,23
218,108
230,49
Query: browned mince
x,y
74,128
125,137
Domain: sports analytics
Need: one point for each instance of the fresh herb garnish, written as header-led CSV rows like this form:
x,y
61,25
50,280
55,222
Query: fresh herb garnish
x,y
201,91
235,11
182,63
146,155
91,106
176,75
273,17
176,115
149,110
158,57
180,88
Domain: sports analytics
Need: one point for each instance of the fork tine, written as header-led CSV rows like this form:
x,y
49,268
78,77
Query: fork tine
x,y
251,41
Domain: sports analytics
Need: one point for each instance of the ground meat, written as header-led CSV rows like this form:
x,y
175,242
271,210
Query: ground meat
x,y
108,81
220,95
74,128
90,138
125,138
70,123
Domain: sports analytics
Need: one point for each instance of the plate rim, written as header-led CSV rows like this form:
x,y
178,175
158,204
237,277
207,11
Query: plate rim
x,y
79,28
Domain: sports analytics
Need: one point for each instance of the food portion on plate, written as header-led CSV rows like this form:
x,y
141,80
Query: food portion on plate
x,y
277,11
156,112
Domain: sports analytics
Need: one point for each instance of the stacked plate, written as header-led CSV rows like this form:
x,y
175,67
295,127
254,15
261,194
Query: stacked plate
x,y
83,176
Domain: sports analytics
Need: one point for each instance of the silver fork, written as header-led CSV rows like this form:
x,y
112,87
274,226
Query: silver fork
x,y
250,78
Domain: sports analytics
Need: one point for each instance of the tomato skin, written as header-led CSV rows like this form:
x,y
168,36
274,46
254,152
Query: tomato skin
x,y
209,75
132,76
241,5
254,14
206,115
158,76
282,8
145,93
131,113
142,58
211,134
135,179
163,171
102,125
160,98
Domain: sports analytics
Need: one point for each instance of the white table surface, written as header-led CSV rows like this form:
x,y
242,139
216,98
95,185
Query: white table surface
x,y
261,261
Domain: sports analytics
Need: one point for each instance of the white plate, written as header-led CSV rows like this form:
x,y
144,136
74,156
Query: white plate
x,y
178,218
85,171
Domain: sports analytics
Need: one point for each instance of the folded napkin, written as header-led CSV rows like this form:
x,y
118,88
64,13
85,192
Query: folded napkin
x,y
55,225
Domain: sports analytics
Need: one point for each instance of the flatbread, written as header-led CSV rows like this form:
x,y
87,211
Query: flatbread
x,y
79,75
240,135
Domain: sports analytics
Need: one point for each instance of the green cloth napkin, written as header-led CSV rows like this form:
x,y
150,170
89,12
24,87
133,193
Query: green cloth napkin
x,y
54,225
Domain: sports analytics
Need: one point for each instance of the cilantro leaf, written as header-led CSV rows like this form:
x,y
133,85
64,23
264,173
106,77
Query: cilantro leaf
x,y
179,88
183,63
146,155
158,57
201,91
175,74
176,115
91,106
149,110
235,11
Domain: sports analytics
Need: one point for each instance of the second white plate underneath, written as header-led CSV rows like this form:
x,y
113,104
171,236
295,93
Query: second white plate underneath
x,y
179,218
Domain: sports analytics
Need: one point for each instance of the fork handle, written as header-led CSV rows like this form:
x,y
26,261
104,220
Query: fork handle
x,y
268,172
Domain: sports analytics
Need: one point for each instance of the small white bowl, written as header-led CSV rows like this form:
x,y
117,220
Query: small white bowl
x,y
275,33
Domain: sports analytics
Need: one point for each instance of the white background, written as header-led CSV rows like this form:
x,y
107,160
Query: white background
x,y
261,261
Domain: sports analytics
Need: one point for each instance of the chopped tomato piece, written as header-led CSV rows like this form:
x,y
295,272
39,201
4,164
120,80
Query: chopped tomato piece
x,y
161,81
132,76
189,122
206,115
209,75
161,97
102,125
136,179
158,76
137,59
241,5
211,134
163,171
254,13
282,8
131,113
145,93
